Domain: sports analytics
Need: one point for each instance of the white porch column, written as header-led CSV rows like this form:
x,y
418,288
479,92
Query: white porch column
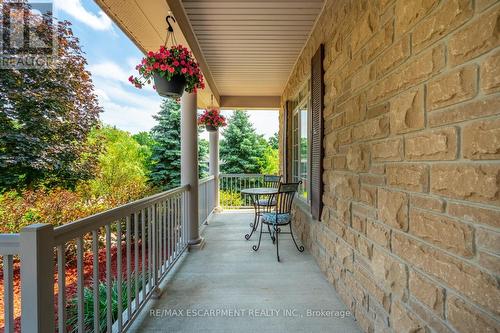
x,y
189,163
214,165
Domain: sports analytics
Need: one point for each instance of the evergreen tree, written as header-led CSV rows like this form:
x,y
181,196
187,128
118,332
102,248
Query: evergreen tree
x,y
166,150
242,149
274,141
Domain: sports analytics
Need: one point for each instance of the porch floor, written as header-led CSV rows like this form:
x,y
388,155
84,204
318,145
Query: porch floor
x,y
228,274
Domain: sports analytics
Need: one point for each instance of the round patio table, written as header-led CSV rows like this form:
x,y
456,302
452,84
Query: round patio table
x,y
256,194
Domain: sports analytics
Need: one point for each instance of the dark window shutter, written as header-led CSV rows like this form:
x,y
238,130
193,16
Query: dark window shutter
x,y
286,144
316,134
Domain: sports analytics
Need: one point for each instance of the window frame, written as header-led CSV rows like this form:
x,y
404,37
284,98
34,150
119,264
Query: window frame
x,y
303,101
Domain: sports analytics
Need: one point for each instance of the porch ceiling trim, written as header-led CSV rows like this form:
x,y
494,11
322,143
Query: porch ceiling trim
x,y
250,102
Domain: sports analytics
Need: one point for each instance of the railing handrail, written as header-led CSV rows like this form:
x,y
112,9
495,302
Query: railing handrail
x,y
206,179
241,175
10,244
82,226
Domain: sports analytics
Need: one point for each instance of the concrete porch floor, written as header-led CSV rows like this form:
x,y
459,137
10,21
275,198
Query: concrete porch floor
x,y
228,275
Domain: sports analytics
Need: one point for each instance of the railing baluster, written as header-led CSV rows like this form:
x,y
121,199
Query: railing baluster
x,y
143,250
95,277
154,250
129,268
164,251
169,232
136,258
80,279
109,278
8,293
150,235
160,238
119,273
61,289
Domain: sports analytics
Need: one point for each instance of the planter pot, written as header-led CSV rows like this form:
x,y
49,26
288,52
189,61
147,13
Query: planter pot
x,y
173,88
211,128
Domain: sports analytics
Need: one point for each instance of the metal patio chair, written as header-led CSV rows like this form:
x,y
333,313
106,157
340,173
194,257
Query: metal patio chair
x,y
280,215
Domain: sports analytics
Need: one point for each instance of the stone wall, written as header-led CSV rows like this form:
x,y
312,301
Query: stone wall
x,y
410,232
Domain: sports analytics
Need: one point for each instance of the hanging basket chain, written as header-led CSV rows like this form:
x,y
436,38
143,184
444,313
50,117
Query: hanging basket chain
x,y
170,32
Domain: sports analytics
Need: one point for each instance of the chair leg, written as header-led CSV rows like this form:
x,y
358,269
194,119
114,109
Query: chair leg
x,y
277,245
301,248
255,248
270,234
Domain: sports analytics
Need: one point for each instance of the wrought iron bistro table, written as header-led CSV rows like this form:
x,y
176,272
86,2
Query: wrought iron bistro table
x,y
256,194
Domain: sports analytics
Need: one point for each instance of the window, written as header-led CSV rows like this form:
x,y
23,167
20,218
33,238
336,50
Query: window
x,y
300,142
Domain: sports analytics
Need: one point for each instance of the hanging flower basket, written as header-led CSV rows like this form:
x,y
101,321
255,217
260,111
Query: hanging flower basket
x,y
212,119
173,70
173,88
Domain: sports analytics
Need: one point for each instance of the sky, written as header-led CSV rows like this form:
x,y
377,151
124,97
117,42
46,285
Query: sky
x,y
112,58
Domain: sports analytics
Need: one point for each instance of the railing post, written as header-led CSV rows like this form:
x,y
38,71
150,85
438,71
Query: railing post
x,y
37,278
189,164
214,166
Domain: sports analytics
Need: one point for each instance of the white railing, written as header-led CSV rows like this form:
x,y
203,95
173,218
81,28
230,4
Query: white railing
x,y
206,198
230,186
121,257
9,247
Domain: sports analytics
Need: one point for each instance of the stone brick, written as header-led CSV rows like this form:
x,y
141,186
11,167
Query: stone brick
x,y
443,232
394,56
359,223
432,145
463,112
426,202
393,208
490,262
474,182
361,78
473,214
354,109
481,140
364,247
407,111
431,319
388,150
451,88
478,37
427,292
390,272
412,177
450,15
345,186
466,318
368,195
339,162
364,29
410,12
490,74
377,110
378,233
488,240
370,179
358,158
469,280
379,42
413,72
402,320
371,129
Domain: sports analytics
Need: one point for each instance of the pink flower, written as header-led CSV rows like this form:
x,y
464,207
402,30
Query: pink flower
x,y
184,70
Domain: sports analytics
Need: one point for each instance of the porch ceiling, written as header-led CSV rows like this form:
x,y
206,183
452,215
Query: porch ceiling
x,y
246,48
251,46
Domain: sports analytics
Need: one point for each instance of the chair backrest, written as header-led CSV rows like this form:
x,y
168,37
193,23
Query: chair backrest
x,y
284,198
272,181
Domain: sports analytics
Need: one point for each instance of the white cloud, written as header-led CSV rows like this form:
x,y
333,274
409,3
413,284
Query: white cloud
x,y
109,70
74,8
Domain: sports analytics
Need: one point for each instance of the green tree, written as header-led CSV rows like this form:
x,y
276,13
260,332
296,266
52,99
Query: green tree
x,y
270,165
45,115
242,149
121,174
274,141
146,142
166,151
166,148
